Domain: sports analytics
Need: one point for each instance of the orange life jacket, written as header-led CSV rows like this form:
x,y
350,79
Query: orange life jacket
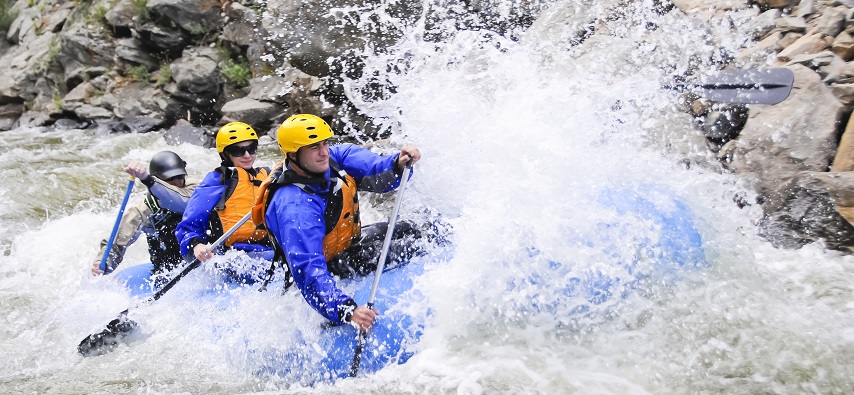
x,y
342,208
242,189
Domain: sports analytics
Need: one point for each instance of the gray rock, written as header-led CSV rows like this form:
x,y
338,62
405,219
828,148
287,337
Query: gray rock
x,y
82,49
806,8
782,140
142,124
93,113
845,94
22,65
271,88
197,71
810,212
764,23
163,39
69,124
791,24
186,133
138,100
120,17
254,112
9,114
132,50
193,16
832,21
725,123
844,158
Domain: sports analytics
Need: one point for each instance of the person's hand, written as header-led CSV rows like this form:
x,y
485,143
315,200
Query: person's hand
x,y
96,269
202,252
363,318
137,169
408,153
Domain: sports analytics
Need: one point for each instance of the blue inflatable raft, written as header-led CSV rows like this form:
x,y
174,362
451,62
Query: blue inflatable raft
x,y
669,245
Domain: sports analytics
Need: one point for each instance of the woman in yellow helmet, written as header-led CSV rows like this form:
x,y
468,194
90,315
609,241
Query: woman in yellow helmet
x,y
224,196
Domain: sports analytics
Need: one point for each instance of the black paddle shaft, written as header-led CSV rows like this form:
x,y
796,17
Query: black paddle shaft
x,y
108,339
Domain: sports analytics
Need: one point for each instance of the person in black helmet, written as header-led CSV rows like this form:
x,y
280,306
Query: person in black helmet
x,y
156,215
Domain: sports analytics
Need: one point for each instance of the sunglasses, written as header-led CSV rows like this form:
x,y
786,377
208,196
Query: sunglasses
x,y
181,177
238,151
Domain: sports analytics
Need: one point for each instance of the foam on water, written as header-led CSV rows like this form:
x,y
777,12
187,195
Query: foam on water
x,y
520,140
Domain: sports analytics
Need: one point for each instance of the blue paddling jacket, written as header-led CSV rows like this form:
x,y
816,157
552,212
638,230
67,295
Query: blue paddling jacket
x,y
204,221
295,217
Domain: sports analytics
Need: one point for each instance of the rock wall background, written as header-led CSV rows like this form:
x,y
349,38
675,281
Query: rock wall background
x,y
184,67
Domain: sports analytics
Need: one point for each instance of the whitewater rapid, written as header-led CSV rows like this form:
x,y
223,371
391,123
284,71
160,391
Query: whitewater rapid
x,y
518,137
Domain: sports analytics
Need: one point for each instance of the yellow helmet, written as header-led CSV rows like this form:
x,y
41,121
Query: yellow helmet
x,y
300,130
232,133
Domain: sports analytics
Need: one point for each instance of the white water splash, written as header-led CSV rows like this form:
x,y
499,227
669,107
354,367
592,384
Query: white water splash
x,y
517,136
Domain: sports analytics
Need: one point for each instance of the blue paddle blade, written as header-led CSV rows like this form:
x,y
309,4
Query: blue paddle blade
x,y
755,86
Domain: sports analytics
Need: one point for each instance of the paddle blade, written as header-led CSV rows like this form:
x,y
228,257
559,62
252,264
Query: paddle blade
x,y
755,86
107,340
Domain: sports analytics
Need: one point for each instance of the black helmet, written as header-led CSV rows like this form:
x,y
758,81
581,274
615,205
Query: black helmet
x,y
167,164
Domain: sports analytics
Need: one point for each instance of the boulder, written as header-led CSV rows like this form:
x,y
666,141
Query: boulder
x,y
82,49
196,17
844,159
22,65
183,132
260,114
9,114
811,212
782,140
197,72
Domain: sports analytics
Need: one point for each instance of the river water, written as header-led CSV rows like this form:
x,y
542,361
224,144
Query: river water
x,y
516,136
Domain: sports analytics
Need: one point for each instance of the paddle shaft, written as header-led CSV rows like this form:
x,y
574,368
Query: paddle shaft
x,y
122,325
103,265
195,263
360,343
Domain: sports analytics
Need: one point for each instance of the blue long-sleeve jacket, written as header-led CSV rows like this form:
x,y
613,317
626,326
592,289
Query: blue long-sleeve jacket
x,y
295,218
194,223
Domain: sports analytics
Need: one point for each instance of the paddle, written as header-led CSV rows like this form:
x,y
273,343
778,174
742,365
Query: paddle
x,y
755,86
103,265
363,336
107,340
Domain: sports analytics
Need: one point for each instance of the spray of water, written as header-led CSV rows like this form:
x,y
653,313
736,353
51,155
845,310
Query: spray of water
x,y
523,141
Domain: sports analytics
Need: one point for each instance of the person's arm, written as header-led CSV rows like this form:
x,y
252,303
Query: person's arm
x,y
129,231
376,173
296,219
192,230
170,197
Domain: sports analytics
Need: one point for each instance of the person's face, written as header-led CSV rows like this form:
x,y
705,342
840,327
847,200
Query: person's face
x,y
242,154
315,157
178,181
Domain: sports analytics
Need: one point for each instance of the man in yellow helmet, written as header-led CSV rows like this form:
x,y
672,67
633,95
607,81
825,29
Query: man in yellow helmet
x,y
225,196
312,211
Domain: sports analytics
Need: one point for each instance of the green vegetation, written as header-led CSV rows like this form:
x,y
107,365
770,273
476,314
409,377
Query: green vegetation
x,y
53,51
98,15
197,28
7,14
236,73
164,74
259,7
140,9
57,98
139,73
